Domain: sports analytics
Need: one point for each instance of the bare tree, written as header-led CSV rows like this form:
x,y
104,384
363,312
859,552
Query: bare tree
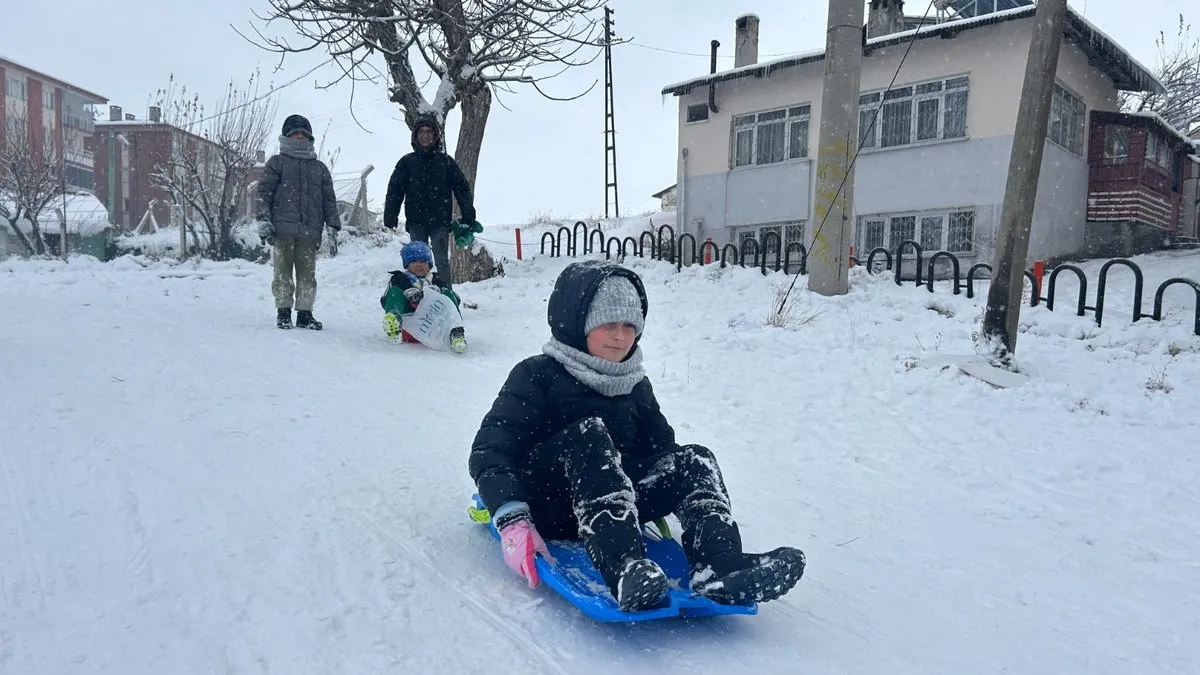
x,y
1179,69
207,171
475,48
31,177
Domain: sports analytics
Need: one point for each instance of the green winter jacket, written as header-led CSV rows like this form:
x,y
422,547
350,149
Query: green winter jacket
x,y
394,302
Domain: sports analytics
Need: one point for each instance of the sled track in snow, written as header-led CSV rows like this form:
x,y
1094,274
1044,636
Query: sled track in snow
x,y
415,554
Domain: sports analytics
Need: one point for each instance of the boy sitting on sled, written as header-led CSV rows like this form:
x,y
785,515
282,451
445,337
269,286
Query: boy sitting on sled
x,y
407,288
575,446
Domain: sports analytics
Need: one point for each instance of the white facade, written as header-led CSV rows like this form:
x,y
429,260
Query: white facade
x,y
930,171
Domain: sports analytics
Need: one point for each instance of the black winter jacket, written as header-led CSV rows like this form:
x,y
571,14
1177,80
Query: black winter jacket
x,y
540,398
425,181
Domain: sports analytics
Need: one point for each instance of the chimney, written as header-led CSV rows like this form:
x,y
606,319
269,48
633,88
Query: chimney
x,y
885,18
114,113
745,40
155,114
260,156
129,117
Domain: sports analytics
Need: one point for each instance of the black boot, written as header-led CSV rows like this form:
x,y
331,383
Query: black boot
x,y
304,319
283,317
617,550
722,572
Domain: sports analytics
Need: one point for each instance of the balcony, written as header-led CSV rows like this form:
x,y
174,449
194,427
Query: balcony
x,y
79,122
84,158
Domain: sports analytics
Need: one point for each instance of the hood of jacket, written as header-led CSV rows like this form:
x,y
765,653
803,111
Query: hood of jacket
x,y
567,309
437,129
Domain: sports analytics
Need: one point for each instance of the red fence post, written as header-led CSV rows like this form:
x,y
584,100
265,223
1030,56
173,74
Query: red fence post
x,y
1039,270
707,251
519,253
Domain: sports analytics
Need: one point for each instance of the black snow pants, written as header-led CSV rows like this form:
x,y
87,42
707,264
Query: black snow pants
x,y
579,489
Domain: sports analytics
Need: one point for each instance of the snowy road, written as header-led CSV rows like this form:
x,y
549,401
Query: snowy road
x,y
186,489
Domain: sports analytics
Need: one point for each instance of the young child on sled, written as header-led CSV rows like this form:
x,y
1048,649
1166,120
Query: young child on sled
x,y
408,287
575,446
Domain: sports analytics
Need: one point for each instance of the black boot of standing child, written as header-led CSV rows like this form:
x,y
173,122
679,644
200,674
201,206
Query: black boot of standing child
x,y
304,319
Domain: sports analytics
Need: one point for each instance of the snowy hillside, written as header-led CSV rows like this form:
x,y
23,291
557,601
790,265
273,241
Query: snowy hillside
x,y
187,489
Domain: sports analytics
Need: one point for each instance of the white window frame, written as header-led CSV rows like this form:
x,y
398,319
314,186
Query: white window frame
x,y
1067,109
750,125
913,94
944,219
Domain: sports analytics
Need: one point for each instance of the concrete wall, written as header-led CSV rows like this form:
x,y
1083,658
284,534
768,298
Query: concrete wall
x,y
936,175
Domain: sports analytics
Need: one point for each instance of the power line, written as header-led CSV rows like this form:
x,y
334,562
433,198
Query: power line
x,y
862,137
266,95
720,56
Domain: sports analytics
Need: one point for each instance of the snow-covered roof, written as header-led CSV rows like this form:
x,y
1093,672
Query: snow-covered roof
x,y
92,97
1166,125
1121,117
1126,72
86,215
128,123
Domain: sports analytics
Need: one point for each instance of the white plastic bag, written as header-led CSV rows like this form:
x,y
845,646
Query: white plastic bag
x,y
433,320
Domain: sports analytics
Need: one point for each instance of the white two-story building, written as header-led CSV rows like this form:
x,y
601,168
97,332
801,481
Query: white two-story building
x,y
934,164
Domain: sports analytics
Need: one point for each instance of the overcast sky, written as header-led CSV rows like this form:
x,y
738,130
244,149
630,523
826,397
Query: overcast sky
x,y
538,156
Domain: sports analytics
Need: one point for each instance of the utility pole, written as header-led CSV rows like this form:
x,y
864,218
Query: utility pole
x,y
828,263
610,124
1000,318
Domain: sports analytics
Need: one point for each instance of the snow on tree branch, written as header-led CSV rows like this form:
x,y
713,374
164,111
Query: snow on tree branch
x,y
1179,70
31,177
465,43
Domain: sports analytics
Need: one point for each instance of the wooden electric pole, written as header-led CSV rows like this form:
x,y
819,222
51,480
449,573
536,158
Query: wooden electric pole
x,y
1003,312
828,262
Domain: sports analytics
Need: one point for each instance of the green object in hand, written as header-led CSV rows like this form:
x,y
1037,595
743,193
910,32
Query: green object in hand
x,y
464,233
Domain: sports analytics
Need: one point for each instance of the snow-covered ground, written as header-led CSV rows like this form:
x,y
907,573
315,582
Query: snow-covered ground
x,y
186,489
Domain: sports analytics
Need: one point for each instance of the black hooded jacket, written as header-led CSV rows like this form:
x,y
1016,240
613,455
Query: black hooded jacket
x,y
540,398
425,180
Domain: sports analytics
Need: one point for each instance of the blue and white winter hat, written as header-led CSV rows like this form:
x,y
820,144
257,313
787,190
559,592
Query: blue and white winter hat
x,y
416,251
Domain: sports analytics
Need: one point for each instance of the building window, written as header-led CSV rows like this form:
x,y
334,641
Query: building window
x,y
916,113
1158,151
1116,142
80,177
15,87
47,97
789,233
697,113
771,137
1067,114
952,231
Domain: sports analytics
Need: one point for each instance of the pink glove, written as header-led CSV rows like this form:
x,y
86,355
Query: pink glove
x,y
519,541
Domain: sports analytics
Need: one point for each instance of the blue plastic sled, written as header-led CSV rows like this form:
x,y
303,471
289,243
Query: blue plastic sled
x,y
576,579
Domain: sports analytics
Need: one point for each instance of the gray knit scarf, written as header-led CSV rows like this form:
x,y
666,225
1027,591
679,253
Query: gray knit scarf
x,y
606,377
300,148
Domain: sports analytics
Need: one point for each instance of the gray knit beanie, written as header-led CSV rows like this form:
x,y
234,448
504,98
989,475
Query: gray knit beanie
x,y
616,301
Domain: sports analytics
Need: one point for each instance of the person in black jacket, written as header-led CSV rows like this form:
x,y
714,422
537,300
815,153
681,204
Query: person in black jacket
x,y
425,180
576,446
